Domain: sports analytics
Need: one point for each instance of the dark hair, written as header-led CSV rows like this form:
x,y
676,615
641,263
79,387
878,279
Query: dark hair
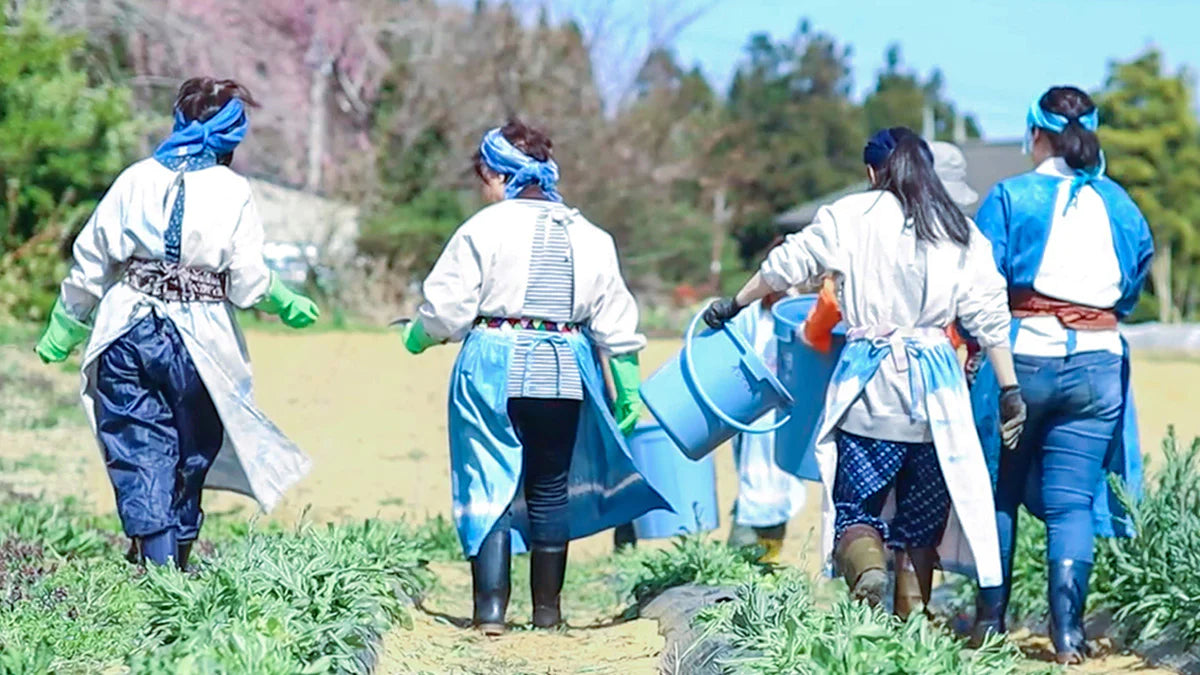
x,y
531,141
200,98
908,173
1079,147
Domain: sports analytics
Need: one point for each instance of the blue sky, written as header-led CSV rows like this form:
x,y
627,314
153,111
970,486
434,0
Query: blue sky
x,y
995,55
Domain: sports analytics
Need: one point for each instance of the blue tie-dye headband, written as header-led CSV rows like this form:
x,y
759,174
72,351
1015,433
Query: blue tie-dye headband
x,y
217,136
1040,118
522,170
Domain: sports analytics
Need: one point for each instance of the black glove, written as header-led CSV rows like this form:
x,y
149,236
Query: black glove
x,y
1012,416
720,311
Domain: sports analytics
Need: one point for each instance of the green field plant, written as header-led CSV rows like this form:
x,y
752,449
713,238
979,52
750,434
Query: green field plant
x,y
1152,583
781,628
265,600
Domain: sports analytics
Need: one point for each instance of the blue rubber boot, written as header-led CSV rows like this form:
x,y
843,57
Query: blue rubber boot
x,y
1068,598
991,604
159,548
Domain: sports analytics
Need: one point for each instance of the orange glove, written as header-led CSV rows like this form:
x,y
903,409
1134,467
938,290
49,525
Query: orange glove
x,y
956,340
818,328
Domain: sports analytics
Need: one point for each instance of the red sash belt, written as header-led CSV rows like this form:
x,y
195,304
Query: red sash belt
x,y
1029,303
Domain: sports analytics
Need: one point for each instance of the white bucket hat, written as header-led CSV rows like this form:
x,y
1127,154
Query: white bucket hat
x,y
951,167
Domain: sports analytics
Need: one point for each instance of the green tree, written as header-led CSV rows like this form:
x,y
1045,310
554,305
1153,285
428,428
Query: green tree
x,y
798,134
900,98
1152,141
63,139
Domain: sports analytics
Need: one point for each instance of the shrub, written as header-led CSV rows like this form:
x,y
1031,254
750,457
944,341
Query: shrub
x,y
269,600
316,595
63,139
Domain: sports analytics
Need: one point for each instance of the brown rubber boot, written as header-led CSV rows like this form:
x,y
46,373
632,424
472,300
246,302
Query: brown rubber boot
x,y
860,556
914,580
907,598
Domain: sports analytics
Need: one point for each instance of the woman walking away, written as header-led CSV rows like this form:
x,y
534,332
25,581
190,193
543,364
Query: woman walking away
x,y
171,249
951,168
897,414
533,290
767,496
1075,250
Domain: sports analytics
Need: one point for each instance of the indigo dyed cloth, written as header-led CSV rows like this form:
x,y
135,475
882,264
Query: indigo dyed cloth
x,y
969,542
869,468
604,487
159,428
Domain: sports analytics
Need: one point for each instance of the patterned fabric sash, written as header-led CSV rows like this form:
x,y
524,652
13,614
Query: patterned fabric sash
x,y
1029,303
175,283
527,324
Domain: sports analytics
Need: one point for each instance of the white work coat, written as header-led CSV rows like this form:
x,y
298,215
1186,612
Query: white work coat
x,y
888,281
484,271
222,231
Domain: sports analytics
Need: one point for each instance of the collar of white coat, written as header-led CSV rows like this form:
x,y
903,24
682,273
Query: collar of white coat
x,y
559,212
1057,167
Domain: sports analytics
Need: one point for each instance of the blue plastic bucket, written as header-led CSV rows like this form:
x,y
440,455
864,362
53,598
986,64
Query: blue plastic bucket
x,y
805,372
690,487
716,387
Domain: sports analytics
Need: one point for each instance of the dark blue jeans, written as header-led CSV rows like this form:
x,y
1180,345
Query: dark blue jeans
x,y
159,428
1074,407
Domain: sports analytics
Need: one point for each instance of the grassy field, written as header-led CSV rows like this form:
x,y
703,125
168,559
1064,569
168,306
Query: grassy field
x,y
373,419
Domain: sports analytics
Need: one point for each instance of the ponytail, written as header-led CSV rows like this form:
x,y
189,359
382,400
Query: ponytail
x,y
1068,118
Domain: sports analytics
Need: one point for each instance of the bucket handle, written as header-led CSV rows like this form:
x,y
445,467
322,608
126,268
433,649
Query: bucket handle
x,y
690,369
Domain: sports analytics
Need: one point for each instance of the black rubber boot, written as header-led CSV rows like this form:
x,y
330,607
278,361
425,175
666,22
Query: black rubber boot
x,y
991,604
491,573
1068,597
624,536
183,552
547,569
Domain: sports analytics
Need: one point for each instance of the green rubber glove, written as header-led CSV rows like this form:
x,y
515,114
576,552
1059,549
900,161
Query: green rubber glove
x,y
295,310
627,380
416,340
63,334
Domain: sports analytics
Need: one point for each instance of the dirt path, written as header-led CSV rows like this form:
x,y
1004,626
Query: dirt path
x,y
595,640
373,419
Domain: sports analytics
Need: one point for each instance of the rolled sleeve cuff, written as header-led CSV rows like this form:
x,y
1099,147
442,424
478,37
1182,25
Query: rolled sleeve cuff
x,y
993,336
625,344
773,277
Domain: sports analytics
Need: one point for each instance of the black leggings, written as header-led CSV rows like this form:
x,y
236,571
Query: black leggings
x,y
546,429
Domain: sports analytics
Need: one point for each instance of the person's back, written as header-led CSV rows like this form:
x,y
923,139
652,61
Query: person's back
x,y
167,387
890,277
534,292
881,251
897,419
205,233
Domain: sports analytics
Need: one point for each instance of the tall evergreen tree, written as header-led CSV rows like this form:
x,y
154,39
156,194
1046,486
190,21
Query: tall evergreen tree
x,y
900,97
799,128
1152,141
